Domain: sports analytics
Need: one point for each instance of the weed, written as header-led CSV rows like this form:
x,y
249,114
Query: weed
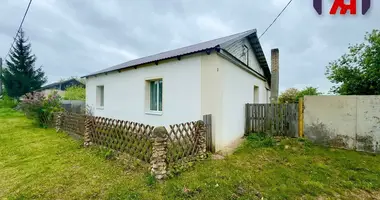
x,y
150,180
259,140
109,154
123,194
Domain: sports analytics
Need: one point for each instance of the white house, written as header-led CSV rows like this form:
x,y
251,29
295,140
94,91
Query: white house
x,y
216,77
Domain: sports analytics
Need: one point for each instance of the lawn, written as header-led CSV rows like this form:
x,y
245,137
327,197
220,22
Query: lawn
x,y
39,163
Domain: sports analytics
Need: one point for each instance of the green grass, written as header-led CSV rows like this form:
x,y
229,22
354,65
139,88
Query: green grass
x,y
39,163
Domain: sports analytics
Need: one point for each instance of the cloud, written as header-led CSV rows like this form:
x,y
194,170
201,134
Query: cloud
x,y
213,25
74,38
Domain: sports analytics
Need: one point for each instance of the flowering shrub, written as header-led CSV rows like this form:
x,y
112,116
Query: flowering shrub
x,y
42,109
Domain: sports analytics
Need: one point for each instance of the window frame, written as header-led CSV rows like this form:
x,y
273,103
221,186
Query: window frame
x,y
246,51
256,94
155,84
100,96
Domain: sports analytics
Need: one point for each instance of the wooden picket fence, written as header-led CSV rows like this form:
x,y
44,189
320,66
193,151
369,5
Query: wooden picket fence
x,y
273,119
209,142
73,123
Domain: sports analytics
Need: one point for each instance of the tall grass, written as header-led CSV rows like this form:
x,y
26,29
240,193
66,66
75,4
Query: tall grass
x,y
7,102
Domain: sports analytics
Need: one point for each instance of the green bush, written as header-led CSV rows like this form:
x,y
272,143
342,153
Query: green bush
x,y
75,93
42,109
7,102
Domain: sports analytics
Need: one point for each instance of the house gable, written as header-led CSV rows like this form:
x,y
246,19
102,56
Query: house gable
x,y
238,50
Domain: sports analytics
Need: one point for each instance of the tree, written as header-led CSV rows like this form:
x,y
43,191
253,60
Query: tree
x,y
308,91
20,76
292,95
75,93
358,71
288,96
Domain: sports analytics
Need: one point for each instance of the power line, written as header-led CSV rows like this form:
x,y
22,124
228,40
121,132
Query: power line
x,y
19,28
276,18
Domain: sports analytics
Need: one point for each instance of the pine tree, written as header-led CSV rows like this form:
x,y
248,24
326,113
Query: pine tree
x,y
20,76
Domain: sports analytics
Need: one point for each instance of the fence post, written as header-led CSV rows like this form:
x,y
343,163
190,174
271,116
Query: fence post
x,y
58,121
88,131
300,118
246,119
158,160
201,135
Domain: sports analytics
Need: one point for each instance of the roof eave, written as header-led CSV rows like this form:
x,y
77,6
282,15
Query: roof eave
x,y
216,48
260,56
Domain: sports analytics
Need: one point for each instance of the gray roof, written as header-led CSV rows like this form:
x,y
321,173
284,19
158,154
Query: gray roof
x,y
52,85
219,43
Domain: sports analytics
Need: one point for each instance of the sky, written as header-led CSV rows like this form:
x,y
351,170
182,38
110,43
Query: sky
x,y
77,37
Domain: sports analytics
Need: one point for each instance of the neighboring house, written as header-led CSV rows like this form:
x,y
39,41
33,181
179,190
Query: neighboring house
x,y
216,77
60,87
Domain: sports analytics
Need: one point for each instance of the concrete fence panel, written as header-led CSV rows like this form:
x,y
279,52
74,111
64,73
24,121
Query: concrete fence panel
x,y
349,122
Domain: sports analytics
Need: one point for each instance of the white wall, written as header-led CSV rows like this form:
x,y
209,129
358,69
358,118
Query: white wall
x,y
124,93
196,85
238,89
226,88
212,94
50,91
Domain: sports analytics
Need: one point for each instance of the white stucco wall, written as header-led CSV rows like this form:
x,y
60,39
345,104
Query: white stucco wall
x,y
196,85
50,91
238,89
212,94
124,93
226,88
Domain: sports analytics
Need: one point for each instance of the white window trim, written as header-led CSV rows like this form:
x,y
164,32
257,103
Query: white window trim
x,y
98,106
148,111
152,112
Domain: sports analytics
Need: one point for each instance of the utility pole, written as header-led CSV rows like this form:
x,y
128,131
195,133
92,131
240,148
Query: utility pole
x,y
1,71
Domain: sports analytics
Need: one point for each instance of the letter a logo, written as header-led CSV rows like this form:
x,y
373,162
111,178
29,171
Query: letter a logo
x,y
343,7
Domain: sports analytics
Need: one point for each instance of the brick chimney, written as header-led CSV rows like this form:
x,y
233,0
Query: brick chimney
x,y
275,75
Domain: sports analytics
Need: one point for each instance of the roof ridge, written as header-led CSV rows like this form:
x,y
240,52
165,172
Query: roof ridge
x,y
197,43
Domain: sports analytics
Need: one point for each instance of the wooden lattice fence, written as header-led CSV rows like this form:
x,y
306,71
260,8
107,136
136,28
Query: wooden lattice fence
x,y
162,147
130,137
73,123
182,141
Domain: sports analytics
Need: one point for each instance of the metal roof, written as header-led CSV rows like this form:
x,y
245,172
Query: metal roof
x,y
59,83
203,46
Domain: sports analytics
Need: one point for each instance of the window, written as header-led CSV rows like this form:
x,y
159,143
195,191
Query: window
x,y
100,96
155,100
255,94
245,54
